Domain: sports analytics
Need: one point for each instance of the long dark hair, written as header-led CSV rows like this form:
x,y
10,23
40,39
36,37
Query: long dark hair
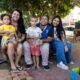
x,y
21,26
59,26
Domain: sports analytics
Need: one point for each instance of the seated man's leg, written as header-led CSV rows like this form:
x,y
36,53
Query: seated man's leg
x,y
45,54
27,53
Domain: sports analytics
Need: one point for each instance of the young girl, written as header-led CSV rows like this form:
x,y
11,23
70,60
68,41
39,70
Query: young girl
x,y
7,32
33,35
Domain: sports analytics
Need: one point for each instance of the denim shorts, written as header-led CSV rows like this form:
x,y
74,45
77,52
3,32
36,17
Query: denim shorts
x,y
5,42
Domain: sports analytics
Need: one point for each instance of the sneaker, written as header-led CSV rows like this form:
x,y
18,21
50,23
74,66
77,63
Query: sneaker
x,y
62,66
28,66
71,62
46,68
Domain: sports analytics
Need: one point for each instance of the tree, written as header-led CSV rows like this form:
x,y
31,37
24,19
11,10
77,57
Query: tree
x,y
38,7
76,2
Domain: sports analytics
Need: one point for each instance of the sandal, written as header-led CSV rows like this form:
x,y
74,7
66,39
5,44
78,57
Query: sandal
x,y
15,70
19,67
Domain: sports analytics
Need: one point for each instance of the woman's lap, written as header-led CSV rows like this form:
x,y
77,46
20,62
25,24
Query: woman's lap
x,y
60,53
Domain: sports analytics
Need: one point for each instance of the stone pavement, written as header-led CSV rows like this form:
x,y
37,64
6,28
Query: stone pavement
x,y
54,73
5,73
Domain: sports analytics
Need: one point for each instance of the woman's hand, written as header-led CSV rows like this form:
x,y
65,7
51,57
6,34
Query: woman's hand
x,y
66,48
12,34
19,40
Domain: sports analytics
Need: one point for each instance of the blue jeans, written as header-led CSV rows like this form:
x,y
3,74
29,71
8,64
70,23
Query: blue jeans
x,y
60,53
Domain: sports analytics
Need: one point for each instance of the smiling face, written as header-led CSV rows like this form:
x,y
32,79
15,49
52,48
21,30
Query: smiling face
x,y
15,16
33,21
55,22
44,20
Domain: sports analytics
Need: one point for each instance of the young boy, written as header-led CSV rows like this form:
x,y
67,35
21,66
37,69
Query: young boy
x,y
7,32
34,35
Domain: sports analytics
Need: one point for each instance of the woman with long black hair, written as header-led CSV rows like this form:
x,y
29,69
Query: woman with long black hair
x,y
62,46
18,23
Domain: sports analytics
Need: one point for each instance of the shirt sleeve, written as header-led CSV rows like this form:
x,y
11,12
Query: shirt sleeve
x,y
40,31
27,30
13,28
50,33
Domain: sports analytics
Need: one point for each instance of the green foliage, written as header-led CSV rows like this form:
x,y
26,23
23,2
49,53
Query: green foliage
x,y
38,7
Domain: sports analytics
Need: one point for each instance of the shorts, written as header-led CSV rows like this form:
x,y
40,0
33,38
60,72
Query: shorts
x,y
35,49
5,42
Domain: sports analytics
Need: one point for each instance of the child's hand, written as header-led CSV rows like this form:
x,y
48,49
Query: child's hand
x,y
41,42
36,37
30,41
7,33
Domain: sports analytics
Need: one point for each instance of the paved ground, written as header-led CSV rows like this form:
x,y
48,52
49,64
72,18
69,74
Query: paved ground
x,y
54,73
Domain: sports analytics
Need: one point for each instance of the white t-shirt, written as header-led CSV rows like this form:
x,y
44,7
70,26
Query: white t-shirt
x,y
32,32
55,34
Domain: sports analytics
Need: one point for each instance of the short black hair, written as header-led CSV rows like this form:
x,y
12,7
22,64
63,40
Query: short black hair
x,y
2,16
45,16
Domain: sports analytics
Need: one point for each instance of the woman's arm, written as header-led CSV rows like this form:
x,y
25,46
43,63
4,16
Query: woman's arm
x,y
20,39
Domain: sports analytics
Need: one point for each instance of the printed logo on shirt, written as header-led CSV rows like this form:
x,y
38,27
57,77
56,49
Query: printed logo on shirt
x,y
47,31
